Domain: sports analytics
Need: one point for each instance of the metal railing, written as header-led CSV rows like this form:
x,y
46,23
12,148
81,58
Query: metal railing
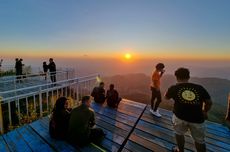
x,y
14,82
34,102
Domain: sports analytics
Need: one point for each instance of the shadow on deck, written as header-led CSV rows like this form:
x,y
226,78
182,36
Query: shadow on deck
x,y
131,127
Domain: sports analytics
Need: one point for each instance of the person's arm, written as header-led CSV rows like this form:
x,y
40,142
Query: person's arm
x,y
93,92
162,72
207,107
92,120
169,93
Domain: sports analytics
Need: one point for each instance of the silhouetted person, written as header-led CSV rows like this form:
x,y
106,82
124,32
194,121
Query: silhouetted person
x,y
45,69
59,122
112,97
99,93
20,65
155,88
192,102
82,120
52,69
17,71
1,65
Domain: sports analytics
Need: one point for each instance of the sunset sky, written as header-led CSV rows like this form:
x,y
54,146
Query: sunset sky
x,y
107,28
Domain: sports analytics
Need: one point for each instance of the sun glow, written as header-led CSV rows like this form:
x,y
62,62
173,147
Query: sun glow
x,y
128,56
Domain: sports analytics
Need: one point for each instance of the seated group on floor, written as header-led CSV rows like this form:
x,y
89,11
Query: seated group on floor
x,y
111,96
75,125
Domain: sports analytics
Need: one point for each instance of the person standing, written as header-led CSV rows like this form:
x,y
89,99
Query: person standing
x,y
155,88
52,69
17,69
45,69
82,120
1,65
192,103
20,65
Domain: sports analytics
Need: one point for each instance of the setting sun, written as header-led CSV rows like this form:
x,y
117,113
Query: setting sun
x,y
127,56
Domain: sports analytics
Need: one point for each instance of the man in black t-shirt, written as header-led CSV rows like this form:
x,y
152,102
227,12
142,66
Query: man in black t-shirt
x,y
192,102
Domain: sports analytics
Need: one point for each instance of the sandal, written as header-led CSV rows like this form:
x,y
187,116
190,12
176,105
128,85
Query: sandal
x,y
175,149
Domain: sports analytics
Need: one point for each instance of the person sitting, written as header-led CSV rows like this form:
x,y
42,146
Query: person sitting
x,y
59,121
99,93
112,97
82,120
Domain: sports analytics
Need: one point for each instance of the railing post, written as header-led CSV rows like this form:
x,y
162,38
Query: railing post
x,y
1,117
40,101
9,111
67,75
19,110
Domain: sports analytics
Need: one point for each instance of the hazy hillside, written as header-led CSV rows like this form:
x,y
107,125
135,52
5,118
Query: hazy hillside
x,y
137,87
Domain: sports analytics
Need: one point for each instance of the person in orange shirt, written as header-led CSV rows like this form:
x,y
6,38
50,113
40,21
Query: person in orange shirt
x,y
155,87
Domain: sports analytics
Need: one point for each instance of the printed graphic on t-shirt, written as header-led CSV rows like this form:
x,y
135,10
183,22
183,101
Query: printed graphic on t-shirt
x,y
188,96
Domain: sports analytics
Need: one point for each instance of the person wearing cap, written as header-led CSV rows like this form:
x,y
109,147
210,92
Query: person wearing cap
x,y
155,88
52,69
82,120
59,121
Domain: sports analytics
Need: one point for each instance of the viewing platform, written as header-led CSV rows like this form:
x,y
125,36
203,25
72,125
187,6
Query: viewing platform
x,y
129,128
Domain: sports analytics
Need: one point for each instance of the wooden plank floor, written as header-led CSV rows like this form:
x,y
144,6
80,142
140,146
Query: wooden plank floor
x,y
130,128
156,134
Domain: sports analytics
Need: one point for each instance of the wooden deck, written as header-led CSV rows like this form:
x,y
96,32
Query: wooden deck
x,y
130,128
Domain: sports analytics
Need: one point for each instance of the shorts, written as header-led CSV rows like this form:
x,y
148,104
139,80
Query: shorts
x,y
197,129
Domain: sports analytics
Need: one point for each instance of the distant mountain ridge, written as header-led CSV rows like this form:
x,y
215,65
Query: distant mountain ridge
x,y
136,87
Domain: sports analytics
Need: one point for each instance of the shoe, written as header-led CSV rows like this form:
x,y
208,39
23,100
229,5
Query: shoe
x,y
175,149
151,111
156,113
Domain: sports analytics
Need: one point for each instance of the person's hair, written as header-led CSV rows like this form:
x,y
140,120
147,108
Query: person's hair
x,y
51,59
160,66
111,86
59,105
85,98
182,74
101,83
44,62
